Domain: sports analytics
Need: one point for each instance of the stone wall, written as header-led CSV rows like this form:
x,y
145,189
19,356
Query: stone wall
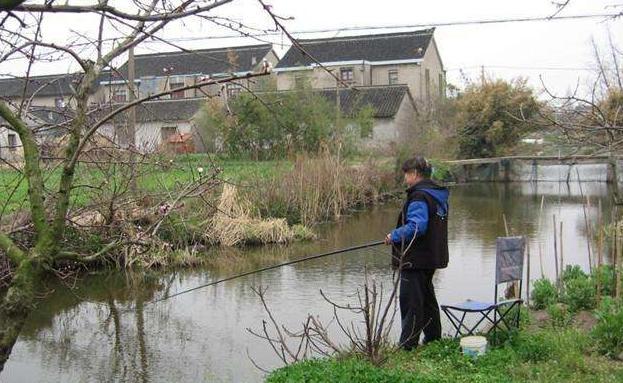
x,y
534,169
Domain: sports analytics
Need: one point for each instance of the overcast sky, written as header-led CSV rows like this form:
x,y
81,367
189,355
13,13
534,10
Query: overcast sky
x,y
558,51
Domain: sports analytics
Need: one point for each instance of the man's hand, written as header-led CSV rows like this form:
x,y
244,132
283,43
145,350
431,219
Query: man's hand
x,y
388,239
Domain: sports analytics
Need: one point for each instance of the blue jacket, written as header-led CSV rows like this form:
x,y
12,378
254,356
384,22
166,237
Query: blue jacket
x,y
417,216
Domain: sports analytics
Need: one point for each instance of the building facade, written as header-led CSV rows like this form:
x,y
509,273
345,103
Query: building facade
x,y
160,72
407,58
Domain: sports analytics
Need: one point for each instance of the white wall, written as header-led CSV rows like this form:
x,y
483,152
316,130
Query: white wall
x,y
6,153
149,134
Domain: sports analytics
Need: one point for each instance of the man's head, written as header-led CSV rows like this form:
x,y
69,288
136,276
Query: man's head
x,y
416,169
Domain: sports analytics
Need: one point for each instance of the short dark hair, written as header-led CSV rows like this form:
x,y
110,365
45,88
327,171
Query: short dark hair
x,y
419,164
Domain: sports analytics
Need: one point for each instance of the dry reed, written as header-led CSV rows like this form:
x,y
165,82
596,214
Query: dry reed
x,y
319,189
233,224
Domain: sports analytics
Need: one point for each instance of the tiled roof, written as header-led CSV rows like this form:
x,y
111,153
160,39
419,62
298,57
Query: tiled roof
x,y
52,85
383,47
385,100
204,61
169,110
56,85
161,110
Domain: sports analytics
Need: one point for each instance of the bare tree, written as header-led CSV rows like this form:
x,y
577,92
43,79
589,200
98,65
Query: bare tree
x,y
315,337
119,30
368,337
593,120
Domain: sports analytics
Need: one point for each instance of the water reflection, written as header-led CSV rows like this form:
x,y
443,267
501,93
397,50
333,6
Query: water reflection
x,y
106,329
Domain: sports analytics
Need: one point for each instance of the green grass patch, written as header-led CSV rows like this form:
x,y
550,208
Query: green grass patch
x,y
160,174
548,355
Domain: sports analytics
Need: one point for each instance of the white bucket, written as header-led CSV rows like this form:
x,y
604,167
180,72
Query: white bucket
x,y
474,345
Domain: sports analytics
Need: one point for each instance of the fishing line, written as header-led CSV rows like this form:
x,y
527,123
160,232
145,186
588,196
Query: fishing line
x,y
358,247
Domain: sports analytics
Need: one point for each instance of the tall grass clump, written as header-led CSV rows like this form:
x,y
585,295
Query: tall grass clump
x,y
234,224
319,189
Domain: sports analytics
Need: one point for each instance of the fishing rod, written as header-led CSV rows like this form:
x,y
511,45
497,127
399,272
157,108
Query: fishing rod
x,y
352,248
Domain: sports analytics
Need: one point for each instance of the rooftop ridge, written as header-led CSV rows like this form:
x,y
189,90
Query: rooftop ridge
x,y
56,76
40,77
369,86
419,32
207,50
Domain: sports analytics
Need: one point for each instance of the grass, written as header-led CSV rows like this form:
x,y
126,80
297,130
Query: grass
x,y
542,355
163,174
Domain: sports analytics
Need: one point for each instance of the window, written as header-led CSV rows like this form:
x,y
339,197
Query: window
x,y
233,89
167,131
12,141
442,86
392,77
119,95
346,74
178,94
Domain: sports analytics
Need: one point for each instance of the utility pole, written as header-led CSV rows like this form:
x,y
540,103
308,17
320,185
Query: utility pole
x,y
131,126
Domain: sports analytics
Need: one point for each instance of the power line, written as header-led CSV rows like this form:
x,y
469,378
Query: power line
x,y
545,68
405,26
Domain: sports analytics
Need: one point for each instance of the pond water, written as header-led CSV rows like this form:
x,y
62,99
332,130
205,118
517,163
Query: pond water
x,y
104,328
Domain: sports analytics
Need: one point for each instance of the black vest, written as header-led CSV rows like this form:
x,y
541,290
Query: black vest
x,y
429,251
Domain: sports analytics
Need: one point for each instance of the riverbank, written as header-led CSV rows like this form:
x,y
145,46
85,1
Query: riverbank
x,y
541,352
576,335
188,203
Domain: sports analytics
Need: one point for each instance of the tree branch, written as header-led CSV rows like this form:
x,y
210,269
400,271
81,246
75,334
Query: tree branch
x,y
103,7
32,169
15,254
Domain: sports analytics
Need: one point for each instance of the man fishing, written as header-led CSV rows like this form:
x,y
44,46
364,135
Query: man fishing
x,y
419,247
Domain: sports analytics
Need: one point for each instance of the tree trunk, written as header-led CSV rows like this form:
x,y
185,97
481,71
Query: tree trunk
x,y
18,303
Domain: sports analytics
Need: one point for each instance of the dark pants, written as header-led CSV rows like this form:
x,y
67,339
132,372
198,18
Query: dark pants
x,y
419,310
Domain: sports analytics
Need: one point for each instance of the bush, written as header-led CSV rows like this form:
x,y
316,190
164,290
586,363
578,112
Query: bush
x,y
560,315
277,125
572,272
579,291
604,277
544,294
608,333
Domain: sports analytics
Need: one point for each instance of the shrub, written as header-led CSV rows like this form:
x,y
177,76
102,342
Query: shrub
x,y
604,277
608,332
579,292
276,125
544,294
560,315
572,272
